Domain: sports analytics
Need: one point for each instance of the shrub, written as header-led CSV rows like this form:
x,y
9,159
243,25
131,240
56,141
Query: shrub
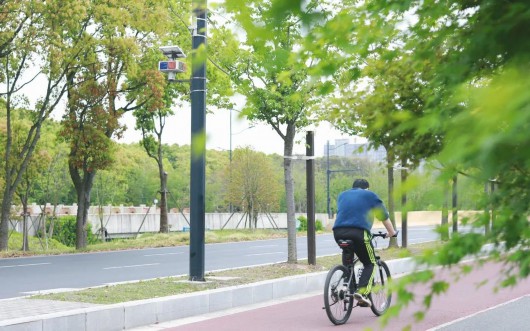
x,y
64,231
303,224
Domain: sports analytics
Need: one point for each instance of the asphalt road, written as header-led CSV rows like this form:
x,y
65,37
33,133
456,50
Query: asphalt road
x,y
23,276
473,302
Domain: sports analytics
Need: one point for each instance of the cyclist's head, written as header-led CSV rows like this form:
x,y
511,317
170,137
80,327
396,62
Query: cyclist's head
x,y
361,183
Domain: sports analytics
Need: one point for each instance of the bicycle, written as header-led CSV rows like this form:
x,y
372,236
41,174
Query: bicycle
x,y
341,284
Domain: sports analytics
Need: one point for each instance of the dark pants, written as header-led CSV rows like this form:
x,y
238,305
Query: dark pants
x,y
363,248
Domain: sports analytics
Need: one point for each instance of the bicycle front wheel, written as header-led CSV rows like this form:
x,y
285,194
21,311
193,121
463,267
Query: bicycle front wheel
x,y
337,299
381,295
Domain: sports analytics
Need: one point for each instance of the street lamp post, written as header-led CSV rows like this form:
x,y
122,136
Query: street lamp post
x,y
310,183
230,157
327,179
198,147
198,134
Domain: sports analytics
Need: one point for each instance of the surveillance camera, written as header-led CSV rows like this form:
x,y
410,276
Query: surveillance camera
x,y
172,52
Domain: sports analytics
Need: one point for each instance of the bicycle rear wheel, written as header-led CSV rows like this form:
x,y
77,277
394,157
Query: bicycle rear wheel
x,y
381,295
337,299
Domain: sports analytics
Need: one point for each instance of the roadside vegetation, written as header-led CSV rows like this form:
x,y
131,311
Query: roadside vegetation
x,y
168,286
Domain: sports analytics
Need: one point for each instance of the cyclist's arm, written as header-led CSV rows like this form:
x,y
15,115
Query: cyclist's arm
x,y
389,227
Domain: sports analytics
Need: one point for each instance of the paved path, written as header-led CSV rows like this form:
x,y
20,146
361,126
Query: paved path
x,y
19,308
466,297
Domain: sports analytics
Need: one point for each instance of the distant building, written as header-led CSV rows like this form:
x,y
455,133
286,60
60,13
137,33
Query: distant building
x,y
343,148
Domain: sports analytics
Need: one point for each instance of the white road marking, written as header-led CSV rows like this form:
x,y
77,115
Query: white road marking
x,y
421,242
271,253
51,291
477,313
23,265
132,266
162,254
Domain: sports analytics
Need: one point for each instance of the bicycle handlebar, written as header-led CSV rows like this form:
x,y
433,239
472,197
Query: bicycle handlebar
x,y
384,235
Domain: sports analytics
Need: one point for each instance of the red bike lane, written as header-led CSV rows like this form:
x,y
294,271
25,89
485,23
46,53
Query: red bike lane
x,y
467,295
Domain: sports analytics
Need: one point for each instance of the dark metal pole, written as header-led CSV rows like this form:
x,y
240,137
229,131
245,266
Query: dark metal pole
x,y
404,213
230,156
310,182
455,204
327,178
198,145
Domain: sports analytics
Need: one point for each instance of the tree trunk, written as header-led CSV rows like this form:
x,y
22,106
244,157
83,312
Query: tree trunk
x,y
23,196
25,241
289,194
487,210
445,212
404,225
102,228
455,204
83,186
254,215
13,173
493,214
164,225
4,220
391,206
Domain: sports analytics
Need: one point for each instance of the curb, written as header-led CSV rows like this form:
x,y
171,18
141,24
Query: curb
x,y
140,313
134,314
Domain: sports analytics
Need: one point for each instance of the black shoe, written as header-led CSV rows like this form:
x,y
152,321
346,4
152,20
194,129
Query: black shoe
x,y
362,300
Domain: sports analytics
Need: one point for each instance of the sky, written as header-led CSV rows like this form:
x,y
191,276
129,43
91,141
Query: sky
x,y
260,137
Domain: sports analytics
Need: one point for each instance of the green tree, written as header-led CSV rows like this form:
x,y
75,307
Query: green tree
x,y
216,164
395,94
52,184
152,121
274,81
124,34
45,36
480,74
253,185
179,158
158,99
478,101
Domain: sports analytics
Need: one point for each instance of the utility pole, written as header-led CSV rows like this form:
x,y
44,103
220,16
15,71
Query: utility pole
x,y
310,182
327,179
198,144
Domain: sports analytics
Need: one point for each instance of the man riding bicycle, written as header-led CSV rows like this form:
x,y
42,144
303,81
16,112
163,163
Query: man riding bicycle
x,y
356,209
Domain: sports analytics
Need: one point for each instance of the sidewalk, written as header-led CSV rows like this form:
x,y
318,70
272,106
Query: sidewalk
x,y
40,315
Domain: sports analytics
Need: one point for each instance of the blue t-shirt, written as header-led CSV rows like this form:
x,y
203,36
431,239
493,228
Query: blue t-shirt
x,y
356,208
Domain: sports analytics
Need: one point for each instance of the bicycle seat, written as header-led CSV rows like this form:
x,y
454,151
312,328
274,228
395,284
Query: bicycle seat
x,y
343,243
